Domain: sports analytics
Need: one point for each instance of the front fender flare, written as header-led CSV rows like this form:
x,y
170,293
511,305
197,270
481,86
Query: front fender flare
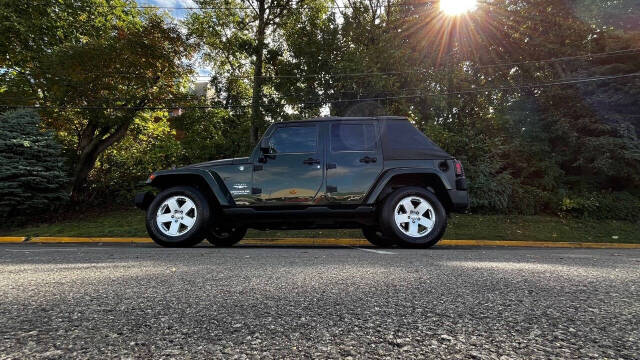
x,y
210,178
386,176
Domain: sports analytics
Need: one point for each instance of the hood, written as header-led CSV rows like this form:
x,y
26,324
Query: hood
x,y
232,161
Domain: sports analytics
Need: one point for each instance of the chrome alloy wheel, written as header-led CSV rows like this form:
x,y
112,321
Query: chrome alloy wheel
x,y
176,216
414,216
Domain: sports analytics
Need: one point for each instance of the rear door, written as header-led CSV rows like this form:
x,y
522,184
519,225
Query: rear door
x,y
354,160
292,172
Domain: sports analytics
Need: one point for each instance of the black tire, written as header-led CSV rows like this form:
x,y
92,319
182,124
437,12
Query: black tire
x,y
222,237
190,237
376,237
389,226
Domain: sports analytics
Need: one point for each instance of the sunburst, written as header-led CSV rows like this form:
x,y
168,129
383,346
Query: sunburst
x,y
457,7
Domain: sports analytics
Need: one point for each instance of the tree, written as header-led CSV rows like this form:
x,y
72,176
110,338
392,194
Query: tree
x,y
234,33
150,145
32,174
92,85
32,30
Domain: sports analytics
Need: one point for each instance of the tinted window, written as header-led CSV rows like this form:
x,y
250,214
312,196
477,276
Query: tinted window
x,y
413,143
353,137
296,139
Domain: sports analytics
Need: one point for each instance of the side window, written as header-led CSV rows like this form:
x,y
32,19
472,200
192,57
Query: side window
x,y
353,137
294,139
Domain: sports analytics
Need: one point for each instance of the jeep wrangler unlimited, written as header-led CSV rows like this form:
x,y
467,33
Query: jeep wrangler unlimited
x,y
378,174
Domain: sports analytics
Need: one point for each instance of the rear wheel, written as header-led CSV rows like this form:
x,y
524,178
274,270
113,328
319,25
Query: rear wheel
x,y
223,237
414,217
376,237
177,217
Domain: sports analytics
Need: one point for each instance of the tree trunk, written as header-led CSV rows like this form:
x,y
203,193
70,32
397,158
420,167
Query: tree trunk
x,y
92,146
256,99
86,161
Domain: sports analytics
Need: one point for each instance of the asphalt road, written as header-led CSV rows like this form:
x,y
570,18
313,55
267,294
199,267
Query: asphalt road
x,y
93,301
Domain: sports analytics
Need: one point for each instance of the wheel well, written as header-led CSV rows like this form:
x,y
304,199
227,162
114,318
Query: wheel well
x,y
196,181
430,182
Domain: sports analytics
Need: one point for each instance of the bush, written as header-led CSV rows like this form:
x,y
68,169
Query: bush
x,y
614,206
33,179
489,190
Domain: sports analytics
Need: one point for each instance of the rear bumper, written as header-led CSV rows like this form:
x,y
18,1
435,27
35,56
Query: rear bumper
x,y
459,200
143,199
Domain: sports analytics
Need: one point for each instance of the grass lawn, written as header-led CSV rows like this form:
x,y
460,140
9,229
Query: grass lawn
x,y
130,222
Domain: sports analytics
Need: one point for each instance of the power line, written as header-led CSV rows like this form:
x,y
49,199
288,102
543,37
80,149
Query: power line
x,y
159,7
418,95
383,73
604,54
428,3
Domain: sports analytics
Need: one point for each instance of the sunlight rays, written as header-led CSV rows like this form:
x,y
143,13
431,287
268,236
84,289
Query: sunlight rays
x,y
457,7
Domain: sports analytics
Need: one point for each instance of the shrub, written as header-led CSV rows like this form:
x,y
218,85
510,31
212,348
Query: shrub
x,y
32,175
614,206
488,189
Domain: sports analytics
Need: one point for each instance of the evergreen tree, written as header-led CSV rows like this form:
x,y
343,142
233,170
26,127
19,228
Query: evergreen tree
x,y
32,176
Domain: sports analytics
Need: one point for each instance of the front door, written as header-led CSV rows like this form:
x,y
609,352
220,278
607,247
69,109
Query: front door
x,y
292,171
354,160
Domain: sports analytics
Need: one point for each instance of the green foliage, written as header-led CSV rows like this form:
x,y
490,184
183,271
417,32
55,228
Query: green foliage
x,y
616,205
211,134
150,145
32,174
93,65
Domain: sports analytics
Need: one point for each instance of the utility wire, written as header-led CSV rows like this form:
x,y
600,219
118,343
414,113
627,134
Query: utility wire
x,y
427,3
328,101
383,73
159,7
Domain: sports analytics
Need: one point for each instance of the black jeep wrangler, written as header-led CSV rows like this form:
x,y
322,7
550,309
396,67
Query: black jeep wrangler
x,y
378,174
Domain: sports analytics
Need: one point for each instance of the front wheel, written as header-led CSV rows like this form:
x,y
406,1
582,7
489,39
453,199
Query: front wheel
x,y
224,237
414,217
177,217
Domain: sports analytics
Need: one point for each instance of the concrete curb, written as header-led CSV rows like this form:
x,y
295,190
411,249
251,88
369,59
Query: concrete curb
x,y
325,242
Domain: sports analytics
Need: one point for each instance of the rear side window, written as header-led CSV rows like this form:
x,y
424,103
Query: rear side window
x,y
402,141
353,137
294,139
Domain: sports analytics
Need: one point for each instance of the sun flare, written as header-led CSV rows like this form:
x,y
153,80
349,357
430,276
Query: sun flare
x,y
457,7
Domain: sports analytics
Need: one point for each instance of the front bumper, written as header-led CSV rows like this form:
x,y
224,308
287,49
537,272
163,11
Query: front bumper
x,y
459,200
143,199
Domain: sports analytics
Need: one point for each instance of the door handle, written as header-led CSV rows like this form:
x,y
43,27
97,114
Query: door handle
x,y
311,161
367,160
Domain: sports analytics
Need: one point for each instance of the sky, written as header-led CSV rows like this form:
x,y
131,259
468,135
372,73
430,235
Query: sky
x,y
170,3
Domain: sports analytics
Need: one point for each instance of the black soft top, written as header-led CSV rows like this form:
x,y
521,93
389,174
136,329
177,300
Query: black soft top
x,y
400,139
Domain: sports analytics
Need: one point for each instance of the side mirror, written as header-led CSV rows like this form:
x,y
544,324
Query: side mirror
x,y
264,146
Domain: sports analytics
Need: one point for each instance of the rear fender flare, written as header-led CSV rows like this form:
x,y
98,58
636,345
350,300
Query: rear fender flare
x,y
161,179
386,176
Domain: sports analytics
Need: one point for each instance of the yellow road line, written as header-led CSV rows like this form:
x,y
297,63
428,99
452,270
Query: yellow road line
x,y
131,240
331,242
12,239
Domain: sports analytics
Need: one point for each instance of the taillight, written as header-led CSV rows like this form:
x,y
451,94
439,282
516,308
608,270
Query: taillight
x,y
459,169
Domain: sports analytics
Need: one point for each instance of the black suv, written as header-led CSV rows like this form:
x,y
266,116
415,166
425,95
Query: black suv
x,y
379,174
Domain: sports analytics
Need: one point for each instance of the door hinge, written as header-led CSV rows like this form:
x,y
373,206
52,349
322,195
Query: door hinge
x,y
331,166
256,191
257,167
